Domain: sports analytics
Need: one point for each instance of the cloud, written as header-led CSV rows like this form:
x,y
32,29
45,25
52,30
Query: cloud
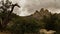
x,y
28,7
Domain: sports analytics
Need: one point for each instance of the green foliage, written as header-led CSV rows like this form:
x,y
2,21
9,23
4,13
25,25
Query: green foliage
x,y
24,24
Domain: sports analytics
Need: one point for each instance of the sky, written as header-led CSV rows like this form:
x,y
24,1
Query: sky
x,y
28,7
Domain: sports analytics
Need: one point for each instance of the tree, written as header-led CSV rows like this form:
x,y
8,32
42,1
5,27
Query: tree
x,y
5,12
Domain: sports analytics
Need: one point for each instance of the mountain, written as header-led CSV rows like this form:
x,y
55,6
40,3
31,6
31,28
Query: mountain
x,y
39,14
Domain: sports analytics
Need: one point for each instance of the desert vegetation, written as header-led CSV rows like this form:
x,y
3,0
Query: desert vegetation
x,y
16,24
